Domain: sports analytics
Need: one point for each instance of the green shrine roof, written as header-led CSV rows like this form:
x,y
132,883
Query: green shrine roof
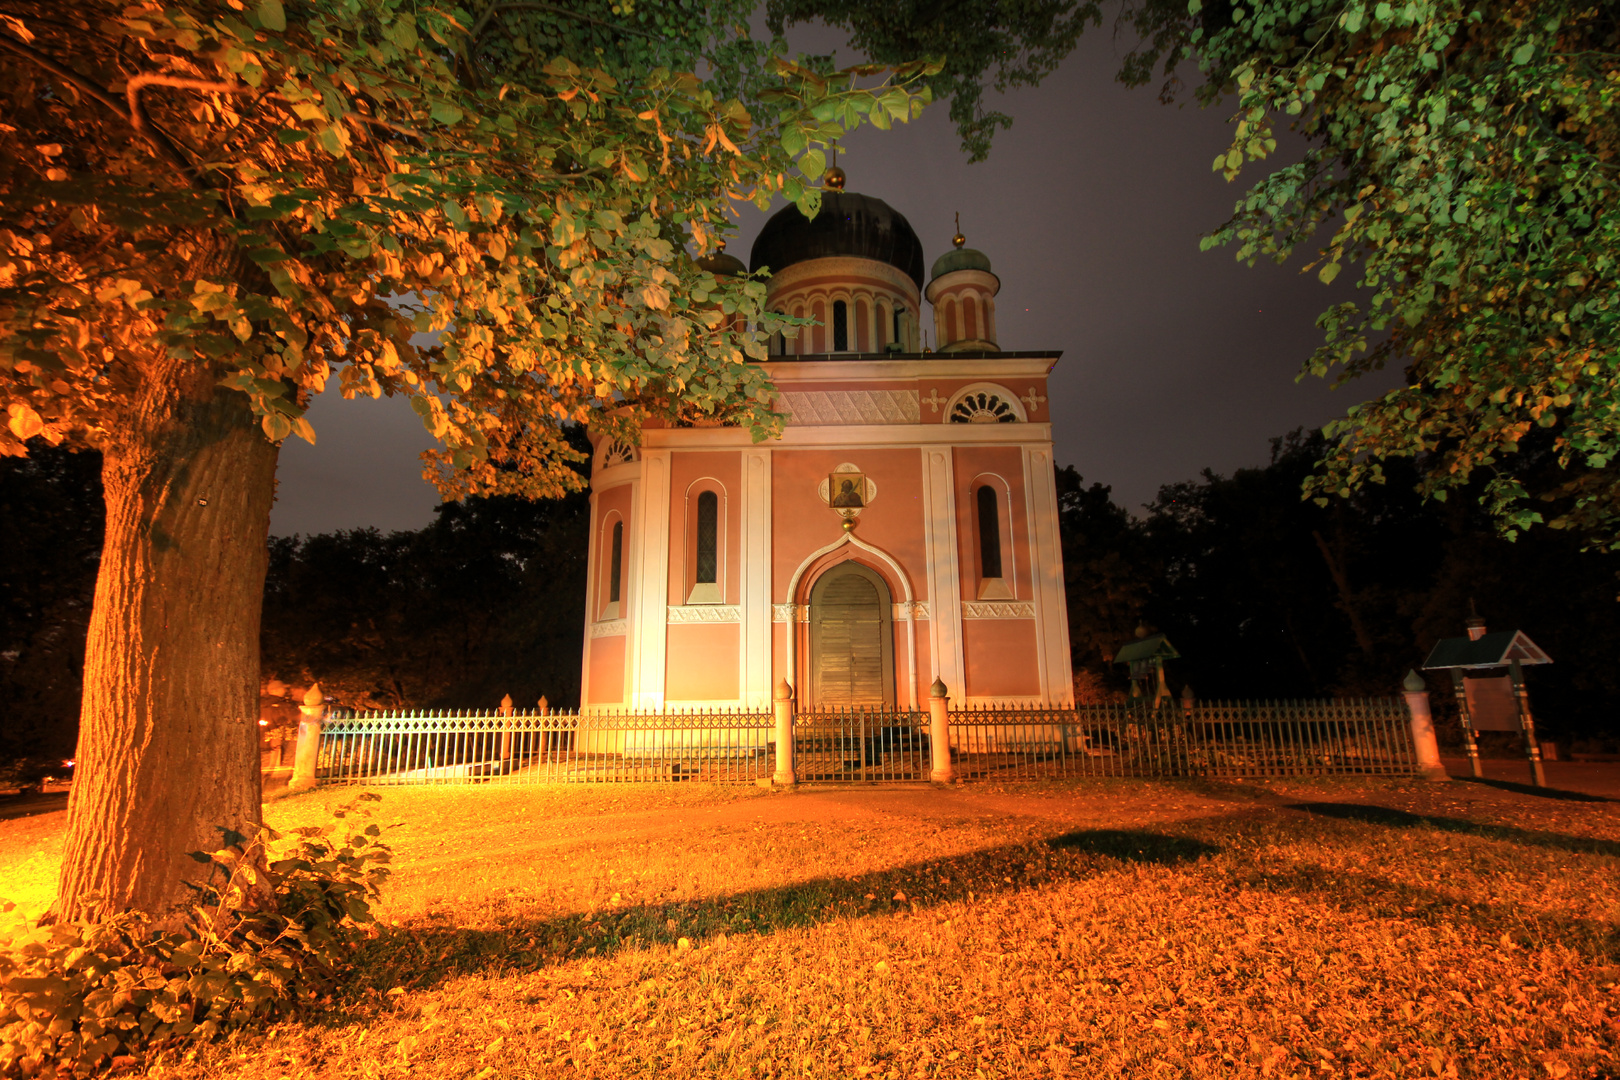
x,y
1492,650
1146,649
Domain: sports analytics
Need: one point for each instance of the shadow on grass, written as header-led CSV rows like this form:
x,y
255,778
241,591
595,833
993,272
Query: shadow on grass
x,y
422,957
1132,846
1530,789
1401,819
414,957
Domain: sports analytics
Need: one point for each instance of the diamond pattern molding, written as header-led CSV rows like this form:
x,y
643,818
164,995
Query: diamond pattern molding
x,y
981,609
852,406
689,613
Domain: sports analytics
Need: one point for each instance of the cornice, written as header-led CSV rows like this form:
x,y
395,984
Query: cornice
x,y
855,436
874,367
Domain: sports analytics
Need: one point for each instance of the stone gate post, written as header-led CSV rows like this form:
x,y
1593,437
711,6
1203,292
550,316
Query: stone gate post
x,y
311,717
939,733
786,775
1423,740
505,712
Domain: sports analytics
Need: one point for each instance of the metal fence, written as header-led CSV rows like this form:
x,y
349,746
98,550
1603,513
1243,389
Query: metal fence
x,y
858,745
462,747
1369,736
1217,739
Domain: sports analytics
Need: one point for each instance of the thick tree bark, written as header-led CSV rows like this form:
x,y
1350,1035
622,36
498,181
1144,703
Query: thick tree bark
x,y
168,740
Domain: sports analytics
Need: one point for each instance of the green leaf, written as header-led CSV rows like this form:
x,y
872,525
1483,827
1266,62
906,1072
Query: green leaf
x,y
1329,272
1524,52
446,113
813,164
272,16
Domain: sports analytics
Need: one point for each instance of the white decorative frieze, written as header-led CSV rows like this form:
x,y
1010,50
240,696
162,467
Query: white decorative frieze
x,y
851,406
609,628
1002,609
918,610
705,613
787,612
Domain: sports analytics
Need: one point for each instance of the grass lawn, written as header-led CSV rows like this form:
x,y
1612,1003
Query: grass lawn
x,y
1088,929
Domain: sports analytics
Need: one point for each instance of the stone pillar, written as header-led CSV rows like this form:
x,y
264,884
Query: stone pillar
x,y
786,775
939,733
1461,690
1532,749
505,712
1423,740
311,715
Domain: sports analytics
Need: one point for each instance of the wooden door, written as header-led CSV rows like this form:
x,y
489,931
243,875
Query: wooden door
x,y
851,639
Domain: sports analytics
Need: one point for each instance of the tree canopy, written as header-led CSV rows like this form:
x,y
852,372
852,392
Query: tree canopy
x,y
377,170
1465,157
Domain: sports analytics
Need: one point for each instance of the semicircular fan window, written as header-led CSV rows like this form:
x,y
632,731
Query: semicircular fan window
x,y
617,454
983,407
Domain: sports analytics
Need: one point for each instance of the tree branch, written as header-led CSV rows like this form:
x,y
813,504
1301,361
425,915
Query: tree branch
x,y
156,139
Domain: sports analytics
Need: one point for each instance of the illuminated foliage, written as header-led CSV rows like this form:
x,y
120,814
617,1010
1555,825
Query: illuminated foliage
x,y
1468,153
285,197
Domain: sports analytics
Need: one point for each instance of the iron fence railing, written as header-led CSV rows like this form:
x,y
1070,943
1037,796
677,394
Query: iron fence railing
x,y
1364,736
860,744
1214,739
460,747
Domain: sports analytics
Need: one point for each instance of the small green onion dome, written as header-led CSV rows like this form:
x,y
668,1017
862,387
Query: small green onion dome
x,y
959,259
721,263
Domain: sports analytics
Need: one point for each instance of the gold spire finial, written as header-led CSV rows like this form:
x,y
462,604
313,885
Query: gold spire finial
x,y
833,178
958,240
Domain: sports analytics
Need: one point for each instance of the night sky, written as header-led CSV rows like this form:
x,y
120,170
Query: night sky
x,y
1090,209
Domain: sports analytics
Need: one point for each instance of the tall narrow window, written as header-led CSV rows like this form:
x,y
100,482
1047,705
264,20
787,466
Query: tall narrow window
x,y
899,338
708,520
989,533
840,326
616,562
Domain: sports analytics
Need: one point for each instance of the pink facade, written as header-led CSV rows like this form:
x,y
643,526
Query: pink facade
x,y
902,528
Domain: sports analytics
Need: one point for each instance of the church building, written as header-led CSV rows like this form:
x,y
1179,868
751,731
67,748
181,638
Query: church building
x,y
903,527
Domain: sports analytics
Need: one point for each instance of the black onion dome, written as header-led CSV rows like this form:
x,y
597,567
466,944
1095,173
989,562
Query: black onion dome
x,y
848,225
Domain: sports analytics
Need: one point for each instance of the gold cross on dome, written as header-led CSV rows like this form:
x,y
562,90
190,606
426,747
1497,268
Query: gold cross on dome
x,y
1032,399
933,400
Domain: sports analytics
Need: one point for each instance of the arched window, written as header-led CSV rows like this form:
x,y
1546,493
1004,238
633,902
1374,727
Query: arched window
x,y
899,330
708,538
840,326
616,563
989,533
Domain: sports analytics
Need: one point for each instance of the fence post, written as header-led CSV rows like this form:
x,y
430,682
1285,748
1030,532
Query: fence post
x,y
1423,740
311,714
939,733
506,734
786,775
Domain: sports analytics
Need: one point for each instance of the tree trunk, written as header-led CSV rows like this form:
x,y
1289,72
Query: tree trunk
x,y
168,740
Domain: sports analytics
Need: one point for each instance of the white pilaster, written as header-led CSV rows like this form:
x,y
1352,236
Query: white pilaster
x,y
755,659
593,593
1046,574
650,616
944,575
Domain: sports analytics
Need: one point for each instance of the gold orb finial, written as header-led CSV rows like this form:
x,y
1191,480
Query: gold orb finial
x,y
849,524
958,240
833,179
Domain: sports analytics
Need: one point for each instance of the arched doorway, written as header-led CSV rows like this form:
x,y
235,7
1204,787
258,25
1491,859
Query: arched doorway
x,y
851,638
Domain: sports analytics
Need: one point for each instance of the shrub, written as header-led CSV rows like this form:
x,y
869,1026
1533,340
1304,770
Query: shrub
x,y
273,924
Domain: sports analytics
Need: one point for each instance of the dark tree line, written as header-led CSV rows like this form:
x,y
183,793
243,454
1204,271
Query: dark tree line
x,y
1268,595
1264,594
51,519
